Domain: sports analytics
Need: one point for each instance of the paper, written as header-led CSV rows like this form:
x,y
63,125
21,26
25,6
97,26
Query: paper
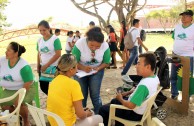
x,y
81,73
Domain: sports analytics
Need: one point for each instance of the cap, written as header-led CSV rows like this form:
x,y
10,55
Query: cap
x,y
187,12
91,23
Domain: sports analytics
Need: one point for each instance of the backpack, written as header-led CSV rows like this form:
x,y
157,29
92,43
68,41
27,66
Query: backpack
x,y
128,40
143,35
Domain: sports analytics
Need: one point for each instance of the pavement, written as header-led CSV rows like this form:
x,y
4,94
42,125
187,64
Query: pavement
x,y
112,80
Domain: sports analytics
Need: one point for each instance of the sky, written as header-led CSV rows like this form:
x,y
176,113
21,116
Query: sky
x,y
21,13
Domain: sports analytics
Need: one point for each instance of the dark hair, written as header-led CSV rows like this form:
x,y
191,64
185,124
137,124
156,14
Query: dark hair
x,y
57,30
150,59
69,33
17,48
135,21
46,25
77,31
112,30
109,26
124,27
95,34
91,23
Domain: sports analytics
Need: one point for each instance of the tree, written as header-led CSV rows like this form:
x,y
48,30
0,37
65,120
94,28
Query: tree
x,y
124,9
166,15
3,23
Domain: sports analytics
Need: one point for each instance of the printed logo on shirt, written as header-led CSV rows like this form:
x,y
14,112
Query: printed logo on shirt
x,y
8,78
92,62
182,36
45,49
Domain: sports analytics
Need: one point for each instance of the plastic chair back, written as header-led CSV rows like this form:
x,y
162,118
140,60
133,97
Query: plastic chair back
x,y
39,116
21,93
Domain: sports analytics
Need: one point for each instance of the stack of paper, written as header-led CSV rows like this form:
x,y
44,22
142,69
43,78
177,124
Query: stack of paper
x,y
81,73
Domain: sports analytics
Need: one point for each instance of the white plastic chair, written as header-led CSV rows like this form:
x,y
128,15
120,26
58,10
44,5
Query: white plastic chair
x,y
101,124
157,122
146,115
39,116
21,93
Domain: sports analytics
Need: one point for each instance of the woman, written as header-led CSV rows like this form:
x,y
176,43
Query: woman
x,y
92,53
16,73
65,96
69,42
113,45
49,50
125,53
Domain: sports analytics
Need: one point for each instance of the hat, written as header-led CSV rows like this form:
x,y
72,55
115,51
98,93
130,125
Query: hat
x,y
187,12
91,23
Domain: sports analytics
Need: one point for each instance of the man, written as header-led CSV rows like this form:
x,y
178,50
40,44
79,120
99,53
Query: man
x,y
57,32
147,87
134,51
183,46
91,24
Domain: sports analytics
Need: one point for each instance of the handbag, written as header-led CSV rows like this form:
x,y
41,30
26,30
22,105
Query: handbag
x,y
48,74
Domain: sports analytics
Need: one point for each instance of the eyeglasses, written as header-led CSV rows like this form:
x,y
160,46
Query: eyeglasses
x,y
93,60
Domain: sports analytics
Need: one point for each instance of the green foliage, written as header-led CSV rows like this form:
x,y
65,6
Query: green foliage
x,y
3,23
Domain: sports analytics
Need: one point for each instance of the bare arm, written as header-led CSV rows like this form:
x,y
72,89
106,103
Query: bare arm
x,y
80,111
101,66
125,103
141,43
52,60
27,85
38,62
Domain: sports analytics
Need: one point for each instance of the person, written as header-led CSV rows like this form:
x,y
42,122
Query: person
x,y
134,51
16,73
113,45
92,53
49,50
91,24
65,96
183,36
57,32
147,87
143,38
69,42
76,37
125,53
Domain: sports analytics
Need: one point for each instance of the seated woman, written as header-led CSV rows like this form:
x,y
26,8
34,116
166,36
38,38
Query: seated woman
x,y
65,96
16,73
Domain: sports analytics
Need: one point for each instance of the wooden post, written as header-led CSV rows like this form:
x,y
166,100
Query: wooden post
x,y
183,106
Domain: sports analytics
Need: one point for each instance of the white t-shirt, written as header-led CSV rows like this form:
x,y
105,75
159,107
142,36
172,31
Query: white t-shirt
x,y
69,39
146,85
135,34
184,40
11,77
75,38
85,54
47,49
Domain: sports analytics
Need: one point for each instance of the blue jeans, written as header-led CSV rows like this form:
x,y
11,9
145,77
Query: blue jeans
x,y
93,83
133,55
174,69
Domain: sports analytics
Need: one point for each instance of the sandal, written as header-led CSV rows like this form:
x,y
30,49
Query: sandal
x,y
114,67
122,67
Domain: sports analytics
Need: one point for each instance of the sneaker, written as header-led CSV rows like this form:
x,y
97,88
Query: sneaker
x,y
126,79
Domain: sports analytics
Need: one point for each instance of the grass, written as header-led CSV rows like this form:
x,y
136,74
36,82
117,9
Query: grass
x,y
153,41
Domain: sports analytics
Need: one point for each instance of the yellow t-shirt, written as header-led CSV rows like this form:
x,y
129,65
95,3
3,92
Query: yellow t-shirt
x,y
63,91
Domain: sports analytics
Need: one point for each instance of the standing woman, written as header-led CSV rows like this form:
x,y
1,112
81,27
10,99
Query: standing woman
x,y
69,42
49,50
113,45
125,54
16,73
92,53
